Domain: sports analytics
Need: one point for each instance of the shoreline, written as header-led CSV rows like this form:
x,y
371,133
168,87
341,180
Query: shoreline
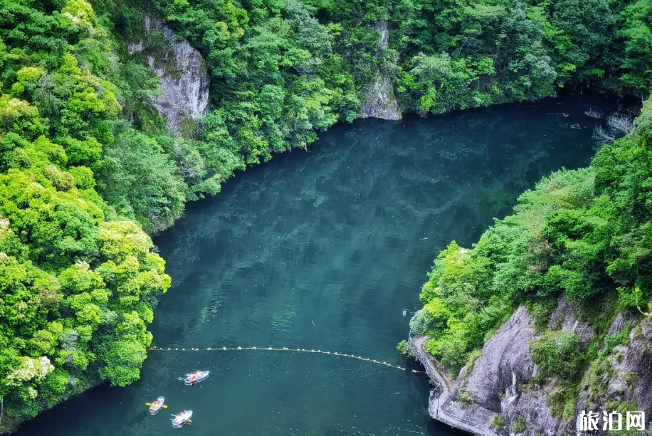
x,y
441,407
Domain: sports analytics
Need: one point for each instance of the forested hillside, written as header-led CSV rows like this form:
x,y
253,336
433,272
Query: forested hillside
x,y
584,236
87,167
77,279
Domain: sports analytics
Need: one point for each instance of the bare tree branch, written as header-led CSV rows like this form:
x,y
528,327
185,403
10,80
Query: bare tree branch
x,y
603,136
594,113
620,123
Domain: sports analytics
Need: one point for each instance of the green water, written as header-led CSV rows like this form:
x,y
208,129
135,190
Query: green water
x,y
324,250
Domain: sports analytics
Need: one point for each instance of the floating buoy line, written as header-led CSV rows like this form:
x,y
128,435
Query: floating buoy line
x,y
288,350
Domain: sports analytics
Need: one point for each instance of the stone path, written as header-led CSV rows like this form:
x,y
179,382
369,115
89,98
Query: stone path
x,y
439,407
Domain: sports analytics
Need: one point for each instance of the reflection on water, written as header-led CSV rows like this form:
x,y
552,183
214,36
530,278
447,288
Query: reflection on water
x,y
324,250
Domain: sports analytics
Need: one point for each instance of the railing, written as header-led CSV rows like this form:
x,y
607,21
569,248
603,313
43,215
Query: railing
x,y
438,404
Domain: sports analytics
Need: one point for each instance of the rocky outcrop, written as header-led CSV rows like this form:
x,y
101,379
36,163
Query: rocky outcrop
x,y
183,79
632,377
496,385
379,99
441,407
565,318
504,364
499,384
501,378
624,375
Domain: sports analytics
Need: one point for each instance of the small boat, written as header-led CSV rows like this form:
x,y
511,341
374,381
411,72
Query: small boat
x,y
179,420
196,377
157,405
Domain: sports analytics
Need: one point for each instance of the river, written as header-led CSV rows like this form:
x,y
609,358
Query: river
x,y
324,249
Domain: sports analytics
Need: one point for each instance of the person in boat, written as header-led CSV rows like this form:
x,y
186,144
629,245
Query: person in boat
x,y
195,376
182,418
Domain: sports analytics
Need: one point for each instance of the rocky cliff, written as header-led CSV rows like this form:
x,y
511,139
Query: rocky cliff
x,y
499,394
183,79
379,99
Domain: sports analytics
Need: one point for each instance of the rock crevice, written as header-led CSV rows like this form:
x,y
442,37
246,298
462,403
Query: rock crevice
x,y
379,99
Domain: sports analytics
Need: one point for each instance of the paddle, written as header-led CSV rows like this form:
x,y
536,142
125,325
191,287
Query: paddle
x,y
149,404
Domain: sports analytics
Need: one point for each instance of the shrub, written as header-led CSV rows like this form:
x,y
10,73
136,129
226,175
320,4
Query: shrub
x,y
518,426
497,422
557,353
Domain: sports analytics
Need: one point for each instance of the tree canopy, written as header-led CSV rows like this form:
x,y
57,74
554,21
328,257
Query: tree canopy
x,y
88,169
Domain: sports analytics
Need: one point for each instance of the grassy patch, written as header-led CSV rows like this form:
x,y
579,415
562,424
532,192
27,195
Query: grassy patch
x,y
518,426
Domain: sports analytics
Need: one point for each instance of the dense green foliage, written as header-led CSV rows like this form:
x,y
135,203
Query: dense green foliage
x,y
87,166
281,70
583,235
558,353
275,76
77,280
459,54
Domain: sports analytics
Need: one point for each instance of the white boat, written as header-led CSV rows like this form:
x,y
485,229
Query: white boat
x,y
196,377
179,420
157,405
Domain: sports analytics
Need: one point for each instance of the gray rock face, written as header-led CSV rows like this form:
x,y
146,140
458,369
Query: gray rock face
x,y
626,374
496,381
380,101
565,318
637,362
499,382
504,364
183,79
381,27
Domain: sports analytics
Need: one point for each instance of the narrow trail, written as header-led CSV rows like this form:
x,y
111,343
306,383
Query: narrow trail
x,y
288,350
439,406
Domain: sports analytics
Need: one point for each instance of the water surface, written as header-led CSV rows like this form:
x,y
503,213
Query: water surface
x,y
323,250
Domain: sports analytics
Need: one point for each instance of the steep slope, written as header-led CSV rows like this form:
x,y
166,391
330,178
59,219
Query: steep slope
x,y
543,317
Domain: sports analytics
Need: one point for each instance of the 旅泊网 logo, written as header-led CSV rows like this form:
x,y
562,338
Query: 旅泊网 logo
x,y
589,421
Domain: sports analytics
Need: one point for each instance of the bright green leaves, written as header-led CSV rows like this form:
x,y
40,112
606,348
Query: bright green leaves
x,y
114,295
78,104
557,353
124,359
140,180
122,238
43,342
441,82
124,356
79,279
27,78
76,291
638,46
134,274
19,116
87,152
45,211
